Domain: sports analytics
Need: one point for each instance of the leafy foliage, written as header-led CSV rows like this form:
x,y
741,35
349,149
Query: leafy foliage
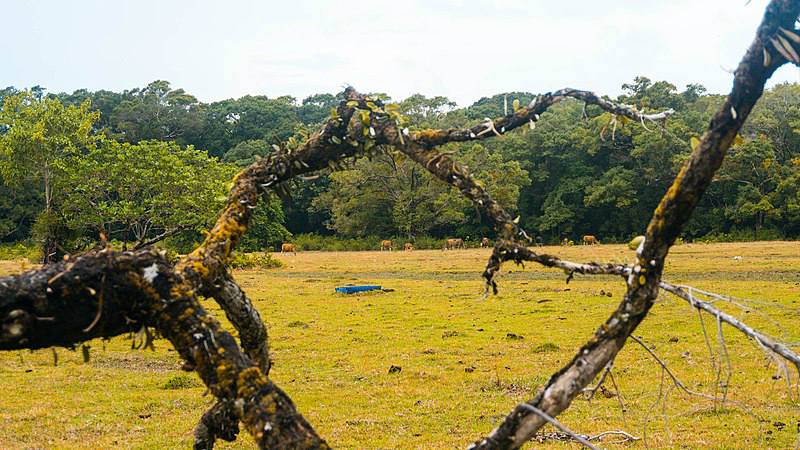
x,y
136,191
580,171
253,261
40,139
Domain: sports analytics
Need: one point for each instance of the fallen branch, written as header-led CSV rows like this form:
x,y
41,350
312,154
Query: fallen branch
x,y
678,383
684,292
626,436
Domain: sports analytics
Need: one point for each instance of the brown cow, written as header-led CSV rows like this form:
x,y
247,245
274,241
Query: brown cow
x,y
288,248
386,244
408,246
590,240
450,244
485,242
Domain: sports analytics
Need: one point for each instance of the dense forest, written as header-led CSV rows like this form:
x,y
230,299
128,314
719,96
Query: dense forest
x,y
152,163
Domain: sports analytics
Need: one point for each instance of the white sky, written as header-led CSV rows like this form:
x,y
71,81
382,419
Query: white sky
x,y
463,49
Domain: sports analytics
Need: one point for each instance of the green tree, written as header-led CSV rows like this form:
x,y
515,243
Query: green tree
x,y
41,137
144,192
19,206
316,108
391,195
157,112
229,122
247,152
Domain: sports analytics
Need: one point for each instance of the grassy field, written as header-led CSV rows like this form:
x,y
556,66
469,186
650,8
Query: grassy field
x,y
465,362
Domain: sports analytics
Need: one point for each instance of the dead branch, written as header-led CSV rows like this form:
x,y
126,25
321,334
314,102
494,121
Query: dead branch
x,y
673,211
144,290
626,437
167,233
244,317
221,420
561,427
684,293
678,383
511,251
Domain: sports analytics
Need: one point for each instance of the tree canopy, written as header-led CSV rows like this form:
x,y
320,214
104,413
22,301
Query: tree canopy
x,y
579,168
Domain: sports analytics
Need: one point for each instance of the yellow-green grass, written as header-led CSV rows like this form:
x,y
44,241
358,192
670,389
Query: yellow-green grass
x,y
461,372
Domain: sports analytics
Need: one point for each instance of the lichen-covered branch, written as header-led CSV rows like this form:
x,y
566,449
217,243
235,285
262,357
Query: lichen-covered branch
x,y
244,317
131,290
221,420
674,210
510,251
530,114
102,294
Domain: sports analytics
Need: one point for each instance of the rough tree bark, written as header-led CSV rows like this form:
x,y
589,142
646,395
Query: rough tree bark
x,y
105,293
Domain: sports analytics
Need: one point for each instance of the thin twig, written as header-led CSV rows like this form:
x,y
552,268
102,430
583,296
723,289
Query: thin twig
x,y
726,357
99,305
627,436
777,347
558,425
711,355
594,390
619,399
664,366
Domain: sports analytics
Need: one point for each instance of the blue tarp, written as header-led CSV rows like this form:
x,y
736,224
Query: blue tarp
x,y
353,289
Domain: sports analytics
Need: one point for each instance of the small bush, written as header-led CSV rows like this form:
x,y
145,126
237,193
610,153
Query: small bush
x,y
765,234
546,347
20,250
316,242
253,261
181,382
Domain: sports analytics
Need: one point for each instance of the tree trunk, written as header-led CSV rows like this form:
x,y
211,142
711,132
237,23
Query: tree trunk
x,y
50,246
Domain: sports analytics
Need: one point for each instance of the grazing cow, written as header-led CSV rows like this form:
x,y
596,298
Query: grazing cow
x,y
590,240
451,244
485,242
408,246
539,241
386,244
288,248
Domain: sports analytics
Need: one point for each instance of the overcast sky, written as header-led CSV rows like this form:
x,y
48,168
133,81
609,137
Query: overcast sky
x,y
463,49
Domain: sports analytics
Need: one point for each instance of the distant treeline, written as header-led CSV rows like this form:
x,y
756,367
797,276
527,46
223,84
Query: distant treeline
x,y
580,171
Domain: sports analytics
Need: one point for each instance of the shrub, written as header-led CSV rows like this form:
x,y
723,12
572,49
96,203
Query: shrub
x,y
546,347
20,250
181,382
765,234
253,261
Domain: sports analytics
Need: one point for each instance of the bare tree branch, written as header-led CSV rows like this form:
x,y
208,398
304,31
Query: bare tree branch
x,y
221,420
684,292
167,233
51,307
561,427
674,210
678,383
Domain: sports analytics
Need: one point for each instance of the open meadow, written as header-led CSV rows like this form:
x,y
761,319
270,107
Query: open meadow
x,y
465,362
